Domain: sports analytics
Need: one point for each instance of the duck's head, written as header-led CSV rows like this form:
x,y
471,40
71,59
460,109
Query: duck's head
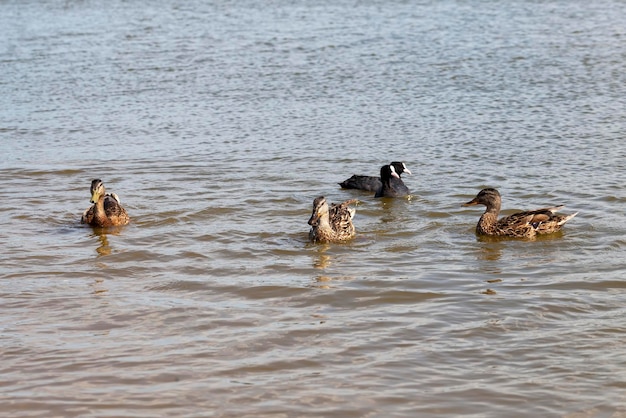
x,y
400,168
488,197
320,208
387,172
97,190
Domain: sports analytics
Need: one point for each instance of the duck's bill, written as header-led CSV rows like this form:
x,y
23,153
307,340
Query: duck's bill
x,y
471,203
315,219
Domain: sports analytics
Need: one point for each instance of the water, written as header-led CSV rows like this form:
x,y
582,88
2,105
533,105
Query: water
x,y
218,124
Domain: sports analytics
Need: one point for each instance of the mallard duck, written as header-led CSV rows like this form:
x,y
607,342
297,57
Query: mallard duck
x,y
332,224
522,224
106,209
372,183
391,183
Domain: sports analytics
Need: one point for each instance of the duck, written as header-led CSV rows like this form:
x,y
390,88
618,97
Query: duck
x,y
391,183
106,210
373,183
331,224
526,224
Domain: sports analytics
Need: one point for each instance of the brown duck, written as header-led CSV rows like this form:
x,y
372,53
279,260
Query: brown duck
x,y
519,225
331,224
106,209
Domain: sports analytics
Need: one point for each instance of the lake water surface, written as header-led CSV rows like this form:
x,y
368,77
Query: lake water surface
x,y
218,123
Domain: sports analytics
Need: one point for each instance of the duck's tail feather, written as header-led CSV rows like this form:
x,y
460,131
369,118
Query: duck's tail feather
x,y
554,209
566,218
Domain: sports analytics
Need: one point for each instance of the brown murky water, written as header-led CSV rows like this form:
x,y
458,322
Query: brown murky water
x,y
218,124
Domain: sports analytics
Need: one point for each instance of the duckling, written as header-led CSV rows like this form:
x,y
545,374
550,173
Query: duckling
x,y
391,184
519,225
106,209
372,183
332,224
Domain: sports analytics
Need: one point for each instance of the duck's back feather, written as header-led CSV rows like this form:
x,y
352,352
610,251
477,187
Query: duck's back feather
x,y
534,222
341,218
115,213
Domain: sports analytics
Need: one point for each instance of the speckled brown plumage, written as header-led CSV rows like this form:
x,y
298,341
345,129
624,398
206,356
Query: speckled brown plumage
x,y
331,224
527,224
106,209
